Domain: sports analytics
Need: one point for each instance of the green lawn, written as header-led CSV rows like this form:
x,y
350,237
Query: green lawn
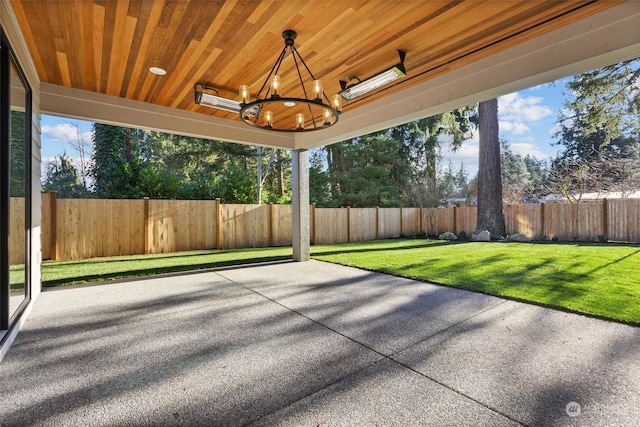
x,y
596,279
74,272
601,280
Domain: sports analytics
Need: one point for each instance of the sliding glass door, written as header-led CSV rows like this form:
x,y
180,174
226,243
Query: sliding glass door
x,y
15,191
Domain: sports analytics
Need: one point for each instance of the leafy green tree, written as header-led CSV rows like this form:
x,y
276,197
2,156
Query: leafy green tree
x,y
538,175
399,163
18,156
319,185
274,175
236,184
516,179
116,162
419,149
61,176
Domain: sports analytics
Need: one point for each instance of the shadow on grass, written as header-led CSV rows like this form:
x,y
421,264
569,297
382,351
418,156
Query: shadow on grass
x,y
384,247
146,257
158,270
542,279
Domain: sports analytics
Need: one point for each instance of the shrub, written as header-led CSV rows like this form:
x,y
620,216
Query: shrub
x,y
448,236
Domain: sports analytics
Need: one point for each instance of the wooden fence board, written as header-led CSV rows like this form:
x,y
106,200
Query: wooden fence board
x,y
588,224
46,235
245,226
389,223
95,228
558,220
429,221
281,218
523,219
466,219
362,224
181,225
411,221
623,220
331,226
17,231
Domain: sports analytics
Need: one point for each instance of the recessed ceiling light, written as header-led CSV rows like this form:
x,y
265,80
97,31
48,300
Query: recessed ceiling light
x,y
289,104
158,71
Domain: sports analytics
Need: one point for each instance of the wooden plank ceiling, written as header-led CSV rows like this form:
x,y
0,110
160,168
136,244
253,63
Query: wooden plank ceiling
x,y
107,46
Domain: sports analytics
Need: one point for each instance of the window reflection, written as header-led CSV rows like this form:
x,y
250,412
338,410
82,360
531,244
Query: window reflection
x,y
17,191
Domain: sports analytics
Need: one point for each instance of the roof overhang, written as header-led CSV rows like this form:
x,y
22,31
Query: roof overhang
x,y
598,39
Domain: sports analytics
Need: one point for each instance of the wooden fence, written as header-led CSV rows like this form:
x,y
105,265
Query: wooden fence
x,y
86,228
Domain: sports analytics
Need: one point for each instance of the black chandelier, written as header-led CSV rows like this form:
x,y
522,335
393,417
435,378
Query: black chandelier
x,y
273,111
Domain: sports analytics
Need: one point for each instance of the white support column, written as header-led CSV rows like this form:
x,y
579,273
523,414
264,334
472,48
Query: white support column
x,y
300,217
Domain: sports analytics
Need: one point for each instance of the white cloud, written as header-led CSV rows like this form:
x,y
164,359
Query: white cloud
x,y
66,133
516,108
516,128
467,155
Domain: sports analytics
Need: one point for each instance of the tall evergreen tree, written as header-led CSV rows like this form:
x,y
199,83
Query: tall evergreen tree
x,y
363,180
599,131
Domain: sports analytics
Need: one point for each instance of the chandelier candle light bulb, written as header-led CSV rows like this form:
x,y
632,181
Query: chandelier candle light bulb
x,y
275,86
244,94
317,90
268,119
337,103
327,118
303,107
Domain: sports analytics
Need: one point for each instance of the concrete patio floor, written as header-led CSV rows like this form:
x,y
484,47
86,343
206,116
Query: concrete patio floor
x,y
312,344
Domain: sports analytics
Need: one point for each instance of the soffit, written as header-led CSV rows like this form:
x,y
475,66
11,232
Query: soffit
x,y
106,47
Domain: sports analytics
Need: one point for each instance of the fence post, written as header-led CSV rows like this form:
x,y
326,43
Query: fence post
x,y
605,218
147,225
542,228
270,219
53,224
377,222
401,224
348,223
455,220
312,224
218,214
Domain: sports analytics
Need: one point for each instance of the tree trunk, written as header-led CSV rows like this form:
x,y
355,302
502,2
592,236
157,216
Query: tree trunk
x,y
280,173
259,178
490,215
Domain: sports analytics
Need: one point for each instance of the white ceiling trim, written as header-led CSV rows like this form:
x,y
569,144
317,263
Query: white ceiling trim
x,y
97,107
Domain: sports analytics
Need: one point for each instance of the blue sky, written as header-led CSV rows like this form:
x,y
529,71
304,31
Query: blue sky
x,y
527,121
